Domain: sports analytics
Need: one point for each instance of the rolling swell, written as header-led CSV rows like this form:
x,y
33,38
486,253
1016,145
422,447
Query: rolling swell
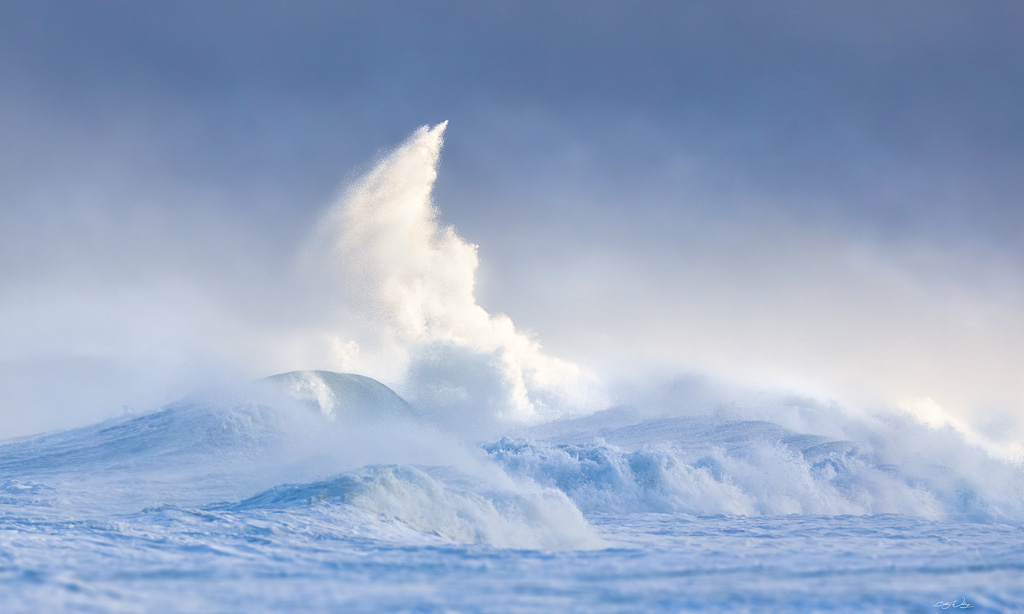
x,y
204,457
435,502
217,444
290,440
706,466
249,420
176,431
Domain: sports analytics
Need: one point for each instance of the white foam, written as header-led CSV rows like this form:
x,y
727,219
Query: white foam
x,y
399,287
525,517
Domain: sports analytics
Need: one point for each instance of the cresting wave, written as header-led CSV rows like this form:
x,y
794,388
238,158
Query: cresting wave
x,y
373,469
436,503
733,461
494,443
396,297
767,478
270,451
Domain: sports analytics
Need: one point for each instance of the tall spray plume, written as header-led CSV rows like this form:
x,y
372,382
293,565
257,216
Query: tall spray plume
x,y
398,286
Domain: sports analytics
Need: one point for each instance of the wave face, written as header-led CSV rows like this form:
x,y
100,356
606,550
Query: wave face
x,y
194,454
335,486
496,480
315,431
755,468
354,397
420,503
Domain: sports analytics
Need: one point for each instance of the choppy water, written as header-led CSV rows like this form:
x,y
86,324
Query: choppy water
x,y
252,501
220,561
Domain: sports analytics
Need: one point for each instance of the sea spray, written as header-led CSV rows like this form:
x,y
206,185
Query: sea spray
x,y
733,460
398,288
300,493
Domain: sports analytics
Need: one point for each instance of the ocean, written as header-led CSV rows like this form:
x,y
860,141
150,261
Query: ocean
x,y
260,497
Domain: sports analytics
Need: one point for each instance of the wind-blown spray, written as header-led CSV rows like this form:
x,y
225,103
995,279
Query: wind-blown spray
x,y
400,287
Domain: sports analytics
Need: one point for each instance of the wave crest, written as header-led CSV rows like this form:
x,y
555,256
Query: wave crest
x,y
399,286
739,468
449,506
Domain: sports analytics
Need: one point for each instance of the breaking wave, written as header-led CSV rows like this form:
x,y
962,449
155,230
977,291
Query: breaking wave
x,y
712,465
396,297
440,503
343,454
274,440
372,468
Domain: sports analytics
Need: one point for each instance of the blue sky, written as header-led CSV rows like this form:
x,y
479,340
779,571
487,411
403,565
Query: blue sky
x,y
822,196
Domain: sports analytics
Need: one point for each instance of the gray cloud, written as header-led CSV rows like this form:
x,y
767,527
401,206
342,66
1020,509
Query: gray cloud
x,y
610,158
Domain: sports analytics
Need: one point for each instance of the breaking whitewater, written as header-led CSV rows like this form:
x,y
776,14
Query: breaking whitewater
x,y
493,477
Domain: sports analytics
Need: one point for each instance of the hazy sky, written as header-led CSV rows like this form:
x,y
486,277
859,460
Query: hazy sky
x,y
818,195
